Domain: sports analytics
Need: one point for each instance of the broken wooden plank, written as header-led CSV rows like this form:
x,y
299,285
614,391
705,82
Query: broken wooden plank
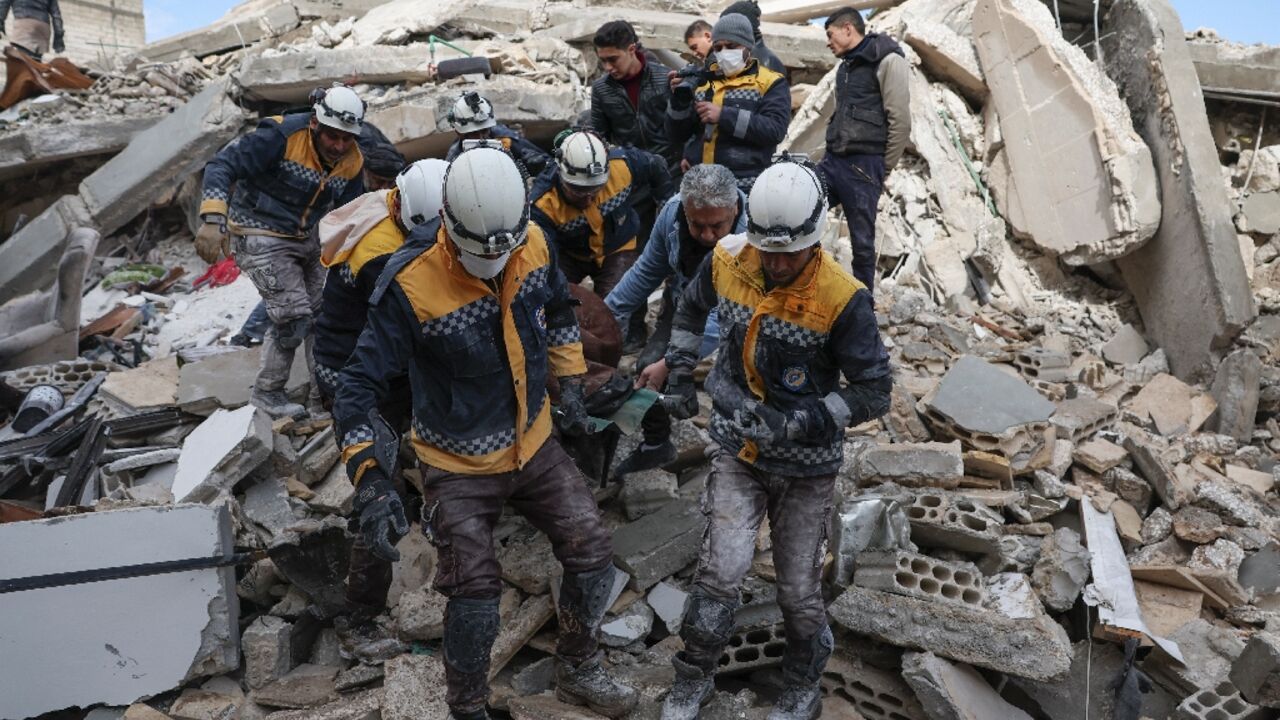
x,y
85,463
1167,608
1179,577
529,619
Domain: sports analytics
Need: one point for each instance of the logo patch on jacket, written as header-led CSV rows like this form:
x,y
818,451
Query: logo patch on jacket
x,y
542,318
794,378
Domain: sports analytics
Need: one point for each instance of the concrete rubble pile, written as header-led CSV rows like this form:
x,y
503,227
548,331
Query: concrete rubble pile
x,y
1075,486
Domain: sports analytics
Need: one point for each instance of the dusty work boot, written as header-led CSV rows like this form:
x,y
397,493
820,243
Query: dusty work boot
x,y
363,638
588,683
470,627
646,457
273,375
802,666
707,626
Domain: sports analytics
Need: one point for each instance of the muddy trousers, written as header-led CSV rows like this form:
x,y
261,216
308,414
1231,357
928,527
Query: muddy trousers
x,y
856,182
288,274
459,515
736,501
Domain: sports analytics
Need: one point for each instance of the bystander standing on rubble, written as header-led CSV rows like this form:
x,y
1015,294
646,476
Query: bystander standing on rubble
x,y
37,25
738,113
697,37
868,131
473,118
794,321
286,175
750,9
583,205
488,265
709,207
628,102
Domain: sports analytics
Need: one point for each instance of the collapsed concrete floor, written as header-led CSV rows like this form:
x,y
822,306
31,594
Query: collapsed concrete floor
x,y
1082,447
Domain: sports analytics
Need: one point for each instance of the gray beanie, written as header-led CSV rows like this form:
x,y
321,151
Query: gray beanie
x,y
734,28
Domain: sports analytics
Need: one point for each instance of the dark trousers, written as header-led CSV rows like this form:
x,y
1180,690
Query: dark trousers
x,y
855,183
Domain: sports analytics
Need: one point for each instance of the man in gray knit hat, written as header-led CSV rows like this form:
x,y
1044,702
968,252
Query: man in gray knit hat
x,y
736,117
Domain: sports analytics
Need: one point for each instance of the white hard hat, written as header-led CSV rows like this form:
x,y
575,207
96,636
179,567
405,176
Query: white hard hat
x,y
421,188
486,211
471,113
583,160
340,108
787,208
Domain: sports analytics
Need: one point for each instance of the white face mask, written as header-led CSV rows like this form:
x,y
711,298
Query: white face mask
x,y
732,62
483,268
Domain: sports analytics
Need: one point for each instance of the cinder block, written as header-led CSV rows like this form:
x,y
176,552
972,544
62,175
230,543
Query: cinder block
x,y
1257,672
942,521
754,648
1078,418
1223,702
920,576
1043,364
877,694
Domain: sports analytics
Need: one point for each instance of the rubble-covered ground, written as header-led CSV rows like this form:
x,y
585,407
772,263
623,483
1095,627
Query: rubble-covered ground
x,y
1081,297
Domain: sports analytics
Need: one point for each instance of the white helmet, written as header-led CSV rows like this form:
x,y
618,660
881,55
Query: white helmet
x,y
340,108
486,211
787,208
421,191
472,113
583,160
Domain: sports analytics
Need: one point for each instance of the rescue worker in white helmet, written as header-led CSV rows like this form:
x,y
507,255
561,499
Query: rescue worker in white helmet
x,y
584,205
792,322
480,319
286,175
473,118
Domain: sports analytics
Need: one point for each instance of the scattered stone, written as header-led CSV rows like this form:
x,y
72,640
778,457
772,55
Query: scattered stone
x,y
1236,389
420,614
536,678
303,687
1221,555
206,705
221,452
632,625
1157,526
912,465
668,603
646,492
1099,455
1257,673
1062,570
1126,347
414,688
954,692
357,676
268,651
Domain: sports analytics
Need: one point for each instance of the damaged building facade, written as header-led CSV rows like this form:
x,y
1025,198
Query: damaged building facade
x,y
1072,496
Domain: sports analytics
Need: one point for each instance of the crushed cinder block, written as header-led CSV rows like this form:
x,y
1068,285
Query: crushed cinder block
x,y
1034,647
1099,455
1077,150
1222,702
159,156
268,651
754,647
945,521
146,635
658,545
1189,281
1257,672
1062,570
221,452
990,410
1079,418
954,692
920,576
912,464
1044,364
875,693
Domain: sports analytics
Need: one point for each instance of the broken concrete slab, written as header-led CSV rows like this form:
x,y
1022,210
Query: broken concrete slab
x,y
659,545
947,55
358,706
195,704
146,635
1095,664
1189,280
954,692
1099,455
267,504
912,464
35,147
226,379
633,624
414,687
1076,155
1236,389
150,386
950,521
290,77
268,651
1028,647
1062,570
159,156
1237,71
648,491
29,259
668,604
227,34
221,452
1175,407
1126,347
305,686
1209,652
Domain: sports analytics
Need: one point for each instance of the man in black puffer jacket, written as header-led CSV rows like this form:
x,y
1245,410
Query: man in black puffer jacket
x,y
629,101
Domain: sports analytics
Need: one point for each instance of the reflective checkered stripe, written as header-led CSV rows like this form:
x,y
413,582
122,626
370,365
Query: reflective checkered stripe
x,y
327,376
790,333
348,277
564,336
214,194
783,458
468,447
615,202
302,172
739,96
731,313
358,434
464,317
535,280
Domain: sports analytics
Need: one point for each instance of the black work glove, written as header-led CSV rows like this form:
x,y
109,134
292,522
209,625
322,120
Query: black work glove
x,y
768,426
681,398
58,44
571,416
378,513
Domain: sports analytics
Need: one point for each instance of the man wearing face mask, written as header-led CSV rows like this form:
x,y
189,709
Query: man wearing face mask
x,y
792,322
479,319
751,10
583,203
736,118
287,175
